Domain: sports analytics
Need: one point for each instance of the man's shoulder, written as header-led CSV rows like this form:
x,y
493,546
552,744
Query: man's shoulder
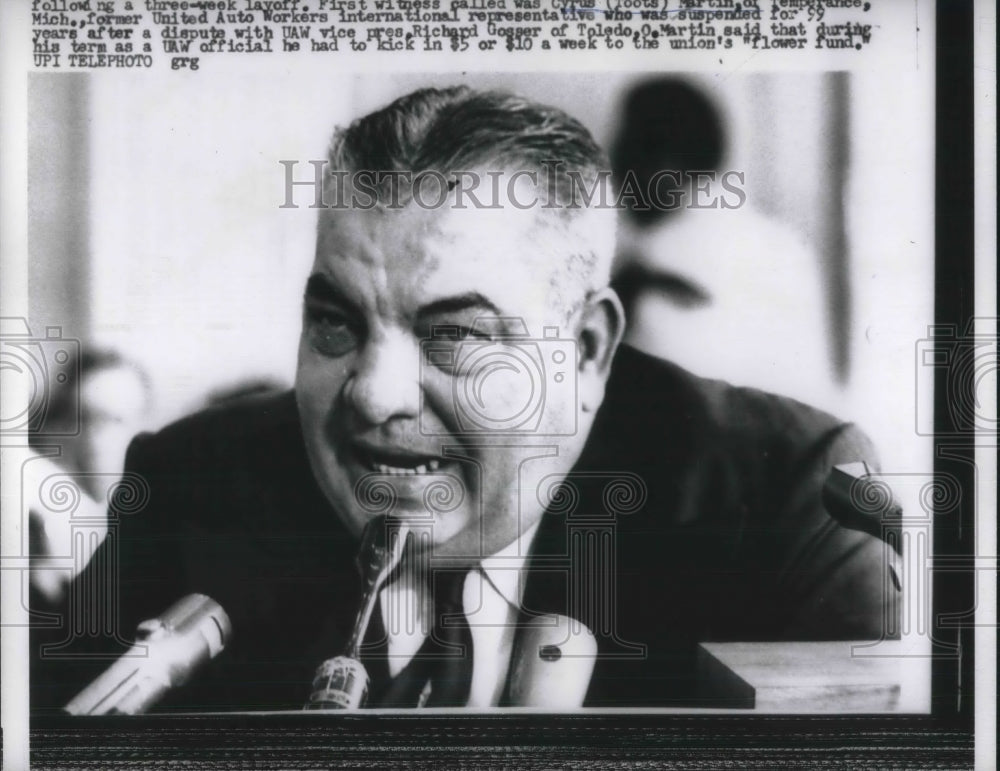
x,y
647,395
241,461
705,448
257,426
242,464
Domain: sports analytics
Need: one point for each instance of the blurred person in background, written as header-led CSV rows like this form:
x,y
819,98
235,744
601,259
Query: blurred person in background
x,y
708,281
92,416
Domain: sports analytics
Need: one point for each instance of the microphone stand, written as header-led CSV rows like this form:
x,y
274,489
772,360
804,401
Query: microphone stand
x,y
342,681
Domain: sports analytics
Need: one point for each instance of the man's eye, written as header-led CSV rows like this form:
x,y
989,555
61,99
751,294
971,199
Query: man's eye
x,y
473,333
329,333
484,334
456,348
456,333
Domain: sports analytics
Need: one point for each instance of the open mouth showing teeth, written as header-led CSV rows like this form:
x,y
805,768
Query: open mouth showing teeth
x,y
422,468
400,465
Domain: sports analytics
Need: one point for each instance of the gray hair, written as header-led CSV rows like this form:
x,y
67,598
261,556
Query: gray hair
x,y
457,129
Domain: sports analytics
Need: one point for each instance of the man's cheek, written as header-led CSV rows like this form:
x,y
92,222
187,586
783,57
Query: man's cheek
x,y
317,379
499,396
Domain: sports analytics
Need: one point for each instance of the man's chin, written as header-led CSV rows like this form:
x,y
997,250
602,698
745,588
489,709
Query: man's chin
x,y
416,496
442,533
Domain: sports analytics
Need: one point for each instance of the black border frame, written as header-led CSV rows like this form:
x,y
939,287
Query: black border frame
x,y
515,741
953,681
943,739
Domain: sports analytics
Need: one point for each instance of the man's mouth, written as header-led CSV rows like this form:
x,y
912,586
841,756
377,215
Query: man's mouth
x,y
398,463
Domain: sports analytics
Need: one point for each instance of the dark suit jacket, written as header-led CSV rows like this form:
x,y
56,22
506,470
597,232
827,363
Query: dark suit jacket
x,y
697,510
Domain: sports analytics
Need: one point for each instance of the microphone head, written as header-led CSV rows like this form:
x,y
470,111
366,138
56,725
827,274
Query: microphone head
x,y
339,683
199,615
168,650
858,499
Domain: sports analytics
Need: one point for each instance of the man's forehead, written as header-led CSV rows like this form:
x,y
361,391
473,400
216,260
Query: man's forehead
x,y
492,236
425,231
405,258
481,188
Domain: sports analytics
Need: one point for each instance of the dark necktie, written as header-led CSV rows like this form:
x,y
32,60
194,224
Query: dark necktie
x,y
440,673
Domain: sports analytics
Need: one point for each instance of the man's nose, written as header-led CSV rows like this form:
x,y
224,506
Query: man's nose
x,y
386,381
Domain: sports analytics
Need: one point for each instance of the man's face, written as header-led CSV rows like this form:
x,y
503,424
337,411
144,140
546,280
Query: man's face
x,y
382,401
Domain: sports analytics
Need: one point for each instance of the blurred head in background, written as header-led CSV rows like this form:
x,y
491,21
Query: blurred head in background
x,y
114,397
667,124
670,137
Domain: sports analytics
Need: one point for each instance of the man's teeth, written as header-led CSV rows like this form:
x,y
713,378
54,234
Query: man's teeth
x,y
423,468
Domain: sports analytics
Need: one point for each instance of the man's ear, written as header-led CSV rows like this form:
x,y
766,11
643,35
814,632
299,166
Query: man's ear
x,y
599,331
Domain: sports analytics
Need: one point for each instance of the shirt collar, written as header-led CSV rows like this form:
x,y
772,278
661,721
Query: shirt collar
x,y
505,568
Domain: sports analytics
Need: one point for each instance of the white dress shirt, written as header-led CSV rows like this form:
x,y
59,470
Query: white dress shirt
x,y
491,599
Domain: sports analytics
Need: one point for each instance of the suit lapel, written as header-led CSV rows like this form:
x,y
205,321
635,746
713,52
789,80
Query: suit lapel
x,y
644,443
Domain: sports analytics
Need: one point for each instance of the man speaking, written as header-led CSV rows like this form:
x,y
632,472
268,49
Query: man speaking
x,y
569,518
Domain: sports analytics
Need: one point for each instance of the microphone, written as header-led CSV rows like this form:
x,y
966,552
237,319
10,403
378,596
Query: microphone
x,y
342,682
167,651
553,662
857,499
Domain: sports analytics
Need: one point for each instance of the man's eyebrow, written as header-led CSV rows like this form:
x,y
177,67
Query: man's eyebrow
x,y
459,302
320,287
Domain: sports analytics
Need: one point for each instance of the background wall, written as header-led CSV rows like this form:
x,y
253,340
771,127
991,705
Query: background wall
x,y
59,287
